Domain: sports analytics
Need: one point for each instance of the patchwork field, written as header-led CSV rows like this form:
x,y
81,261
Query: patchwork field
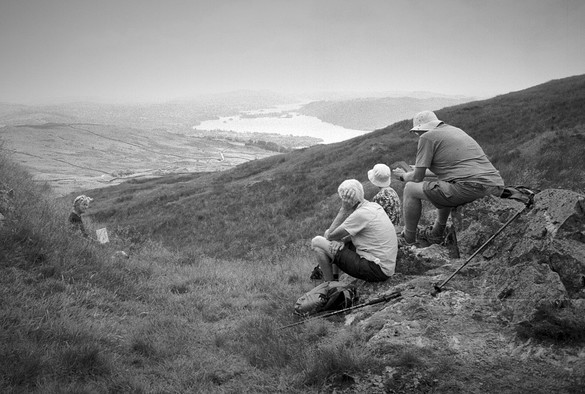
x,y
77,156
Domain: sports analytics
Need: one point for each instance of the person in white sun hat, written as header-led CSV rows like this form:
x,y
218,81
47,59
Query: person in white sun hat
x,y
381,176
463,172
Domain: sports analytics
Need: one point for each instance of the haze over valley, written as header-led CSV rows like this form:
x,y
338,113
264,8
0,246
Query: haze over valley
x,y
76,146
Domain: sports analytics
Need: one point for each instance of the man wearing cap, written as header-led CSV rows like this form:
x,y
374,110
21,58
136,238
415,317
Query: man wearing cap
x,y
371,254
463,172
80,205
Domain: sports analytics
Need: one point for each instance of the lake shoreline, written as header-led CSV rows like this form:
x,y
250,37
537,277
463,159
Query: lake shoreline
x,y
283,120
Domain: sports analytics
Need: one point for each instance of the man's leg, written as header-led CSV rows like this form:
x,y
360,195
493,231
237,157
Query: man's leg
x,y
441,221
321,247
412,208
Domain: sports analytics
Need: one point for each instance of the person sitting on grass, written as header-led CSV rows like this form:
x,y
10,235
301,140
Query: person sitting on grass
x,y
370,253
380,176
463,170
80,205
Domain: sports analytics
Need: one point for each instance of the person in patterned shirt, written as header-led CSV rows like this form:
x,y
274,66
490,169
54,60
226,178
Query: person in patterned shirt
x,y
380,176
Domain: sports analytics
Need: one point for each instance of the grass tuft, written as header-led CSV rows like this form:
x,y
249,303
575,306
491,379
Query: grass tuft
x,y
21,367
84,362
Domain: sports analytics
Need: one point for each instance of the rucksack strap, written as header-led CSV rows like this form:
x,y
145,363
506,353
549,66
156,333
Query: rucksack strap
x,y
519,193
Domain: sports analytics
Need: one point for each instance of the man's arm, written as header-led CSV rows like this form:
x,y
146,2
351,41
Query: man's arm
x,y
347,208
417,175
343,213
338,234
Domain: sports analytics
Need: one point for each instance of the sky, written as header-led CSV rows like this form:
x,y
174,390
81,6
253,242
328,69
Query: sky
x,y
147,50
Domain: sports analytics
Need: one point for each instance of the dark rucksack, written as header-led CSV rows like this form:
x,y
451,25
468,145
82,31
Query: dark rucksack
x,y
519,193
327,296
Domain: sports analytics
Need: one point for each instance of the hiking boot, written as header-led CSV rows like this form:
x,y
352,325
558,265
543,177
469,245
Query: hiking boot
x,y
402,242
317,274
428,236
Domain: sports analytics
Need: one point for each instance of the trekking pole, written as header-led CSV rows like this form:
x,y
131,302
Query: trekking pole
x,y
385,298
438,288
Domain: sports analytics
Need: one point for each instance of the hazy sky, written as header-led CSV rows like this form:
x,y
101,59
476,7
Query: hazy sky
x,y
164,49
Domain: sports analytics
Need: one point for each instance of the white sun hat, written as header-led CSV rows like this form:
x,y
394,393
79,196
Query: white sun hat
x,y
380,175
425,121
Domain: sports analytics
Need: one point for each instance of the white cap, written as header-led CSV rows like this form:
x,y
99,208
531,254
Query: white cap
x,y
425,121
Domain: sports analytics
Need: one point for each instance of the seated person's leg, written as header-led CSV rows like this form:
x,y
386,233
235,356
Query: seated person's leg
x,y
412,208
352,264
321,247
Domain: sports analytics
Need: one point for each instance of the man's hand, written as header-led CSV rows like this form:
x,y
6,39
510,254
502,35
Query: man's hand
x,y
398,174
335,247
347,199
347,195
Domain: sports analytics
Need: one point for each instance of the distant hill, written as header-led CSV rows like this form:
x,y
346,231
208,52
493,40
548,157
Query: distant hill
x,y
375,113
176,115
535,137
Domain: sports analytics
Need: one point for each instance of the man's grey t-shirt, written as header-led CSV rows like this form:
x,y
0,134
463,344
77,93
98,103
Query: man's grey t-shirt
x,y
453,155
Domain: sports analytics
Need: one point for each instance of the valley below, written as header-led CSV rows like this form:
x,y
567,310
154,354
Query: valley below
x,y
79,146
78,156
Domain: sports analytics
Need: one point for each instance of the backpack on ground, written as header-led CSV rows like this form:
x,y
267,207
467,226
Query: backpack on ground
x,y
327,296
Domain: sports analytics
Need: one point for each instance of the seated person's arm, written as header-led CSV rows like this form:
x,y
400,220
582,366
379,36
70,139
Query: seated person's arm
x,y
347,208
343,213
417,175
338,234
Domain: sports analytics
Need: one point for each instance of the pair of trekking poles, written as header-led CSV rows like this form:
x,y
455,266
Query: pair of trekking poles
x,y
519,193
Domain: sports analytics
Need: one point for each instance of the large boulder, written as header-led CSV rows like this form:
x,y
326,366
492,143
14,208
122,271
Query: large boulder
x,y
555,233
539,258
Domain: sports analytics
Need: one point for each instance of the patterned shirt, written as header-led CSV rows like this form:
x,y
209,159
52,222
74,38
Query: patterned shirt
x,y
389,200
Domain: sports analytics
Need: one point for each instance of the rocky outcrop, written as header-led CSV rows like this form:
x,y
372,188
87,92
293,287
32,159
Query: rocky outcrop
x,y
539,259
536,263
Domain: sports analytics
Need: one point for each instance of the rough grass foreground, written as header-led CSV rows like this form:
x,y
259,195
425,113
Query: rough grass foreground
x,y
160,322
75,318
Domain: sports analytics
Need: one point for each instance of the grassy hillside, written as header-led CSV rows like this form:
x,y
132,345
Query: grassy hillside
x,y
535,137
217,261
75,318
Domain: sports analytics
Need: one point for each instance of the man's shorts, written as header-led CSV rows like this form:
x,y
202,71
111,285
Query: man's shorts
x,y
448,195
353,264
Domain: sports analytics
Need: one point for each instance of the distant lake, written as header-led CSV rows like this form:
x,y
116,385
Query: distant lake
x,y
283,120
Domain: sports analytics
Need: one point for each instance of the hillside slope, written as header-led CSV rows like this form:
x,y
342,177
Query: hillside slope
x,y
535,137
375,113
78,316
